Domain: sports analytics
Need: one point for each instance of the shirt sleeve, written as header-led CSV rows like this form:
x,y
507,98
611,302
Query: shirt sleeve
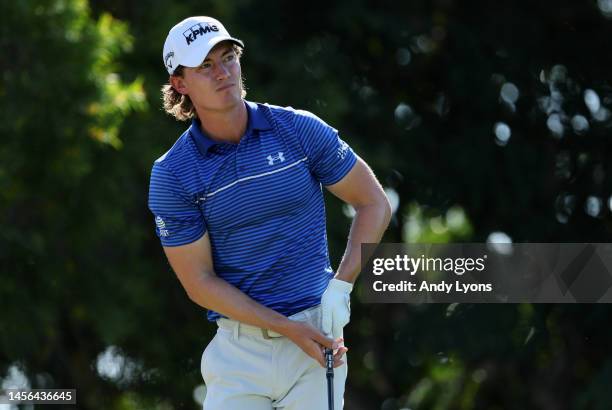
x,y
178,219
329,157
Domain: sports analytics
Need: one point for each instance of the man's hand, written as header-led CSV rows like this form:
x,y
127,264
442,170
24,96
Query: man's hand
x,y
313,342
336,307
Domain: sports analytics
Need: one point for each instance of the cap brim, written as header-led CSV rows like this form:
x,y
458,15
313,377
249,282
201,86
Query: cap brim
x,y
196,58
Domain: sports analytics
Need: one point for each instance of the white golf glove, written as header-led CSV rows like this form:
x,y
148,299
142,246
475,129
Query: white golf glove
x,y
336,307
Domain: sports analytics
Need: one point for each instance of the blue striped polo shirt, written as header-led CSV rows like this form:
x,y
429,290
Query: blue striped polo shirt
x,y
260,201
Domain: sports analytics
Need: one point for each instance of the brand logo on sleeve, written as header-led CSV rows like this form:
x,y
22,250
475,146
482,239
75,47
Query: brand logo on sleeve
x,y
342,149
273,158
192,33
161,225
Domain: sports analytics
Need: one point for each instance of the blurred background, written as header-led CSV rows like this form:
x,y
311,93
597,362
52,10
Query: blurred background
x,y
485,121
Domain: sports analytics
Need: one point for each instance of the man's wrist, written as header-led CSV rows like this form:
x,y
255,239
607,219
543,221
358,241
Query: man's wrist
x,y
282,325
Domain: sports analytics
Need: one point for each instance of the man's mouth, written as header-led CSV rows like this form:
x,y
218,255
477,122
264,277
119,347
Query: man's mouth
x,y
225,87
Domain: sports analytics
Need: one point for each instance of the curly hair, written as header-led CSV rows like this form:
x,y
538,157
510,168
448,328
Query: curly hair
x,y
179,105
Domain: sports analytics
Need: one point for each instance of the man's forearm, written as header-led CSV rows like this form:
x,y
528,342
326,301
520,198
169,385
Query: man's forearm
x,y
214,293
369,224
217,294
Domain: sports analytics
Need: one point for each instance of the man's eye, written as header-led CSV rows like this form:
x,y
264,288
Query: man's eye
x,y
205,66
229,57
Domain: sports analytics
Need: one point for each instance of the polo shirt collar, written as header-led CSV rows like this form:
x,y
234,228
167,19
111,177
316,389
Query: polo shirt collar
x,y
256,121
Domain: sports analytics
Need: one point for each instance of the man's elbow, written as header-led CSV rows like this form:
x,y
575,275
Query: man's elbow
x,y
194,288
380,203
388,212
191,292
192,295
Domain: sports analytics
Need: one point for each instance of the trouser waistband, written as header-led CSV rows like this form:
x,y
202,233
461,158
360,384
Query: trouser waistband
x,y
241,328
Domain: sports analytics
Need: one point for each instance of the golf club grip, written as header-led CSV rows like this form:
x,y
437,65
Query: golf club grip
x,y
329,365
329,362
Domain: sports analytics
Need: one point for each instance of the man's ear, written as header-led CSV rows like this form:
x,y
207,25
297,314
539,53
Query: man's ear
x,y
178,83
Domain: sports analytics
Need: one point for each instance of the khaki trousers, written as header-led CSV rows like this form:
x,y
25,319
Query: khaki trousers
x,y
247,369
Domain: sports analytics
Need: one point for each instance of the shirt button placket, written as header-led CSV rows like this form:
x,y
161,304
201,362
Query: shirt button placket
x,y
240,156
239,165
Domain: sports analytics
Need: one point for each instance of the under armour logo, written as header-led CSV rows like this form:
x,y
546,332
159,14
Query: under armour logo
x,y
278,157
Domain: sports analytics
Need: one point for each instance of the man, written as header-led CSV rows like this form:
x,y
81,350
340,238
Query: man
x,y
239,210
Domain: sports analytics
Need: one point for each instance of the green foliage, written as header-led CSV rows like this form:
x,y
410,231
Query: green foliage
x,y
63,104
453,226
417,88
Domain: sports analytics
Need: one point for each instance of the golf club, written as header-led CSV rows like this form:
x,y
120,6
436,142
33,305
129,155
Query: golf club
x,y
329,362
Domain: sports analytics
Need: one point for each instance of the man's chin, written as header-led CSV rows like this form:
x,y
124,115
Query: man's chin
x,y
232,101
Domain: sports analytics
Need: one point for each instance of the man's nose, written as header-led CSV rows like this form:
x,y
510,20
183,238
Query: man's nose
x,y
222,72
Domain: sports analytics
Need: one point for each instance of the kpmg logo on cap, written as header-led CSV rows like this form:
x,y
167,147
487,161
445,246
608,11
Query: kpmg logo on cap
x,y
192,33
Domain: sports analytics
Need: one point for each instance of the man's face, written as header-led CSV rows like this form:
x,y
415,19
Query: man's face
x,y
216,84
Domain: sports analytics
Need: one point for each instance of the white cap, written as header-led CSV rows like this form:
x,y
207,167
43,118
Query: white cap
x,y
189,42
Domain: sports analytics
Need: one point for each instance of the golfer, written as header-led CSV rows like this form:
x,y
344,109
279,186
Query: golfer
x,y
239,210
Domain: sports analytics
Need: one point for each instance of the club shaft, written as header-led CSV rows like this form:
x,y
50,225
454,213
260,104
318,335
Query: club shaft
x,y
330,393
